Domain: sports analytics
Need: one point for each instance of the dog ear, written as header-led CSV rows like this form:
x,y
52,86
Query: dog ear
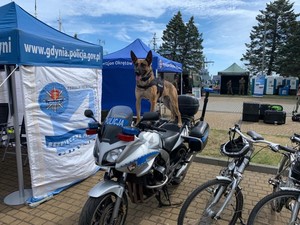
x,y
133,56
149,57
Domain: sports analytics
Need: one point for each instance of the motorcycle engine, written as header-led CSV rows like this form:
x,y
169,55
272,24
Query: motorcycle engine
x,y
157,173
141,188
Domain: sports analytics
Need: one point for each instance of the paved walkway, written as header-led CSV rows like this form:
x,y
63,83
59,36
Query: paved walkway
x,y
65,207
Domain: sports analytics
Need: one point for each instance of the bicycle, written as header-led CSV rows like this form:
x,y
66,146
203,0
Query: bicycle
x,y
282,206
220,201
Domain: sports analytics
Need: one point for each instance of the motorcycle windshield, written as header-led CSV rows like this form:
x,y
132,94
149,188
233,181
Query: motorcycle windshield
x,y
117,118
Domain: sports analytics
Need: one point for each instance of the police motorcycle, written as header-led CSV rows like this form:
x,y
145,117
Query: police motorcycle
x,y
141,161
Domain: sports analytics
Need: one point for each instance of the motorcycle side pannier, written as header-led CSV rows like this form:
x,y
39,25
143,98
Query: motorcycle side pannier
x,y
201,131
188,105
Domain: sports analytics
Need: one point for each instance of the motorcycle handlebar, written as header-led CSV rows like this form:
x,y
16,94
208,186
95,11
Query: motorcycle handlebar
x,y
157,128
144,126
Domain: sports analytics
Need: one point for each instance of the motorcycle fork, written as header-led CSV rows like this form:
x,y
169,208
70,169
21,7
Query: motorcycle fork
x,y
115,213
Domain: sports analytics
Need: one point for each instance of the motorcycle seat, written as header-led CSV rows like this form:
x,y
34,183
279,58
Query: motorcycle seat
x,y
170,137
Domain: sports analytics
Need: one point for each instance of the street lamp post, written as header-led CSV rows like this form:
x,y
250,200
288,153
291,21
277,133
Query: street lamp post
x,y
264,48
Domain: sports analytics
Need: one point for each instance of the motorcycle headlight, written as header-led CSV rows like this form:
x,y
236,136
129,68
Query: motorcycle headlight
x,y
112,155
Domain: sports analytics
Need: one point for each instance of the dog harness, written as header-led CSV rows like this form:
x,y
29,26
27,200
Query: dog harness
x,y
159,84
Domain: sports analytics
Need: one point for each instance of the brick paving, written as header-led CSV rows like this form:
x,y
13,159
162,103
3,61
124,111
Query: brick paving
x,y
65,207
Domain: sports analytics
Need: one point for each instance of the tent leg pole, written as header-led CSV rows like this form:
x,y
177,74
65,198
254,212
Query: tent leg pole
x,y
181,86
17,197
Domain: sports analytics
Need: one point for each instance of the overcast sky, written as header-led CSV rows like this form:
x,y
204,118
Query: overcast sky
x,y
224,24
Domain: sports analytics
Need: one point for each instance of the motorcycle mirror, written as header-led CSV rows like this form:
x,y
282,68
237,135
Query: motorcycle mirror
x,y
89,113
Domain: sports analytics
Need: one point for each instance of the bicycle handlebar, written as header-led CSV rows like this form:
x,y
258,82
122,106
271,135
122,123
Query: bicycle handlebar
x,y
257,138
295,138
286,148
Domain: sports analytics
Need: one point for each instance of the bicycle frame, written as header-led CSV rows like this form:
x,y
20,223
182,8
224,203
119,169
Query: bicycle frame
x,y
225,189
295,209
283,168
234,174
235,169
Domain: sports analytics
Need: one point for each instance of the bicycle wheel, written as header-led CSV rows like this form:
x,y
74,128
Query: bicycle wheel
x,y
263,213
204,202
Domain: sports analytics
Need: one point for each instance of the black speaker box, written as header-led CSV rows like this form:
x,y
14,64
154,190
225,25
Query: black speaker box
x,y
274,117
250,112
262,109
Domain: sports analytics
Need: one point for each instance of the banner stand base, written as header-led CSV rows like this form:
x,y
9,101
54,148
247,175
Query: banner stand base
x,y
15,198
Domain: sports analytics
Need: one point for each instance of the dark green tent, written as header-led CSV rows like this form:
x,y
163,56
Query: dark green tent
x,y
233,73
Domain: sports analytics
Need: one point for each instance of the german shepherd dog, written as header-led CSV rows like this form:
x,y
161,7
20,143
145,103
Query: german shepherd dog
x,y
151,88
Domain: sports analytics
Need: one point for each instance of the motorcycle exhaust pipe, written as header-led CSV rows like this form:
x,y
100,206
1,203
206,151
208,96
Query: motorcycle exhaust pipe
x,y
185,166
190,159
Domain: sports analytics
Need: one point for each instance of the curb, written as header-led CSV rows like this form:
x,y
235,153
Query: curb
x,y
223,163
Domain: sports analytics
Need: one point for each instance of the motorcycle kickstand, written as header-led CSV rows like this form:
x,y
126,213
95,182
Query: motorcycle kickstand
x,y
166,194
241,220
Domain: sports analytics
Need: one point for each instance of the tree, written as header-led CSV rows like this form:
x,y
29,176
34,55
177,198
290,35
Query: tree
x,y
289,62
173,38
192,50
183,43
275,26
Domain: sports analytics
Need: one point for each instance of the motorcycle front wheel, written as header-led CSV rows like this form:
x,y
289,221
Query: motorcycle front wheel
x,y
98,211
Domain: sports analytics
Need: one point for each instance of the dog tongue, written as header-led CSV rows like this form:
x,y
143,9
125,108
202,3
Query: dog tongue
x,y
137,77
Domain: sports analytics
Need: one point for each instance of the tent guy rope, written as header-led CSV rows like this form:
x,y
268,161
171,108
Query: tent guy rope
x,y
9,76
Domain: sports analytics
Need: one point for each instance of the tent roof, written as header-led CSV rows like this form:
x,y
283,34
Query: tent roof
x,y
28,41
233,69
140,49
121,58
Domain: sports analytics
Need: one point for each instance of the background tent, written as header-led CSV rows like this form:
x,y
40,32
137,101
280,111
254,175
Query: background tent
x,y
119,79
233,73
60,76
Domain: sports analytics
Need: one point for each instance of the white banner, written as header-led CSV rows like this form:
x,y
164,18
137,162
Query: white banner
x,y
55,98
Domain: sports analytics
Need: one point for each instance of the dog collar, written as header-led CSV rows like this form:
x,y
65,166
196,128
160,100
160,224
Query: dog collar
x,y
147,77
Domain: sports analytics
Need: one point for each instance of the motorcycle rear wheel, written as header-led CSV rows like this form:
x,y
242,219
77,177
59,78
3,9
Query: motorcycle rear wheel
x,y
98,211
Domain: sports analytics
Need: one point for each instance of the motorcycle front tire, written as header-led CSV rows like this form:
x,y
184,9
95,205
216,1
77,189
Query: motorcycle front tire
x,y
99,210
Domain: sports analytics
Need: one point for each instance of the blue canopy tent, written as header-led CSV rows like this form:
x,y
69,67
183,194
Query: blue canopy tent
x,y
27,41
119,79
